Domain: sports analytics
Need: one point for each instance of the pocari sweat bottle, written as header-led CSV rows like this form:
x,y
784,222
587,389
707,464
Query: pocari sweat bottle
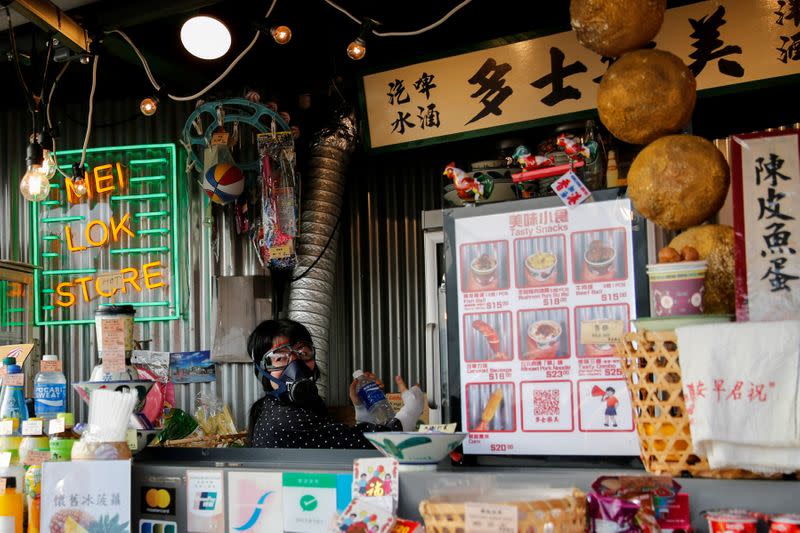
x,y
49,391
373,398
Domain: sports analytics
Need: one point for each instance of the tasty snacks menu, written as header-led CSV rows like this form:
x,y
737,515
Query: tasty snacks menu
x,y
543,295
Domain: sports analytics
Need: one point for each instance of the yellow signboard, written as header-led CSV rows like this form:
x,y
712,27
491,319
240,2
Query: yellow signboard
x,y
724,42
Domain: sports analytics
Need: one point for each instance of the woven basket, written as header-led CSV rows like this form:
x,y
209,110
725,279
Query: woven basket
x,y
561,515
650,364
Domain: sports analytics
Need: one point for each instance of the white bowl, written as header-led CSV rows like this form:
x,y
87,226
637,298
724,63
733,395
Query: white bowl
x,y
415,449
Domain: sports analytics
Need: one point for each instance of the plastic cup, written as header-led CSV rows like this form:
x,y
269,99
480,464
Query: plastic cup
x,y
676,289
731,521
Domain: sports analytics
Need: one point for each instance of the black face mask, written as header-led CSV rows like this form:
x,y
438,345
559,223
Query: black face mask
x,y
297,384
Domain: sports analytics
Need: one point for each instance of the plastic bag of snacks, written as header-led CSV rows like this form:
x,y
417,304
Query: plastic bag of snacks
x,y
213,416
630,503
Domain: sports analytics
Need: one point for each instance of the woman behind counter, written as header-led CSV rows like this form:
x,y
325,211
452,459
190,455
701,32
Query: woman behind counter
x,y
291,414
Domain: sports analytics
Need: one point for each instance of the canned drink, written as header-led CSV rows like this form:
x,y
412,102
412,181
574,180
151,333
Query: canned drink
x,y
732,521
785,523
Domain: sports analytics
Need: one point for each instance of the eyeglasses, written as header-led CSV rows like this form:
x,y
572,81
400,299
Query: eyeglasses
x,y
280,356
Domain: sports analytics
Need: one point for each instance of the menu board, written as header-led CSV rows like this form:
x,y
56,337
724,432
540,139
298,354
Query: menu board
x,y
543,295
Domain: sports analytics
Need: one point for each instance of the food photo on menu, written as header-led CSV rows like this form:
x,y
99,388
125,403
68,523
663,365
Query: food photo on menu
x,y
488,337
544,333
540,261
600,316
599,256
491,407
484,266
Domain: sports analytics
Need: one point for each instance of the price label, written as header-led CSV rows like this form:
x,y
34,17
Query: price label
x,y
32,427
50,366
2,485
437,428
5,459
112,334
3,370
490,518
114,360
219,138
14,380
7,427
602,331
56,426
130,437
36,458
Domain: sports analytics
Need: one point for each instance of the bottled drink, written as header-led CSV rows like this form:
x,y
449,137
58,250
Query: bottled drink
x,y
33,494
593,169
373,398
612,172
50,389
11,505
61,443
12,399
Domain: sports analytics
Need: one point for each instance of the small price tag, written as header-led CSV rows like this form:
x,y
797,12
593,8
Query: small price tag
x,y
114,360
438,428
5,459
130,437
571,189
3,370
219,138
36,457
32,427
490,518
2,485
602,331
56,426
50,366
7,427
14,380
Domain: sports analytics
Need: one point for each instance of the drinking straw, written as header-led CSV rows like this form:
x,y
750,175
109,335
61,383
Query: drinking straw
x,y
109,412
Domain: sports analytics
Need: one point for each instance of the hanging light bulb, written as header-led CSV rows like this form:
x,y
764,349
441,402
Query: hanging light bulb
x,y
78,181
205,37
35,185
281,34
358,48
148,106
49,163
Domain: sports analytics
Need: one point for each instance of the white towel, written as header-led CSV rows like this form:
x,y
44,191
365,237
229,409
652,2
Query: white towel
x,y
740,382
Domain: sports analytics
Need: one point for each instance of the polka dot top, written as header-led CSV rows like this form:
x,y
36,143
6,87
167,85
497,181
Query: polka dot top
x,y
281,425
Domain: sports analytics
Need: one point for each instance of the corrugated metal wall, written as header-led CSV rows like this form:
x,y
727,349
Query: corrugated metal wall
x,y
378,321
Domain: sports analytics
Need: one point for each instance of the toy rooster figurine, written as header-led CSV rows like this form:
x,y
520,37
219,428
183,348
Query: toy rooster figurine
x,y
469,189
574,148
527,160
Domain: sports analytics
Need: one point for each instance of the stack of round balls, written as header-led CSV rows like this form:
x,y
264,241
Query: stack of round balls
x,y
646,95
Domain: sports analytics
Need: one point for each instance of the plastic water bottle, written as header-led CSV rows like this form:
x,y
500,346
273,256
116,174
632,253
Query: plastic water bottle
x,y
49,391
12,400
373,398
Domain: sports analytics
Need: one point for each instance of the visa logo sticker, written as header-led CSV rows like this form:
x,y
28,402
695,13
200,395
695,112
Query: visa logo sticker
x,y
157,526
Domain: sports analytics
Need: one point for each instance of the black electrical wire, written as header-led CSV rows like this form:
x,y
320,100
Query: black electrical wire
x,y
330,238
15,54
79,122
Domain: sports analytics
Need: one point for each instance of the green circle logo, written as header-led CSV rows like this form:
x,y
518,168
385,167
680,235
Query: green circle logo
x,y
308,503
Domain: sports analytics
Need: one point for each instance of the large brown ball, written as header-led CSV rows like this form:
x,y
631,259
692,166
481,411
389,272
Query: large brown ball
x,y
678,181
645,95
714,243
612,27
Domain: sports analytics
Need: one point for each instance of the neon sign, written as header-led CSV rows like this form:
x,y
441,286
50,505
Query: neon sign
x,y
115,243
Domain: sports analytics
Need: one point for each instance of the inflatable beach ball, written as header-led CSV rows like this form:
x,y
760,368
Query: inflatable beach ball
x,y
223,183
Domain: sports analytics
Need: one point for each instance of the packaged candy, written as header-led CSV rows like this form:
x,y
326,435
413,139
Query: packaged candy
x,y
630,503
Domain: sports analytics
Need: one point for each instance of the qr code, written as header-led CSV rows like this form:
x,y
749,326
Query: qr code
x,y
546,402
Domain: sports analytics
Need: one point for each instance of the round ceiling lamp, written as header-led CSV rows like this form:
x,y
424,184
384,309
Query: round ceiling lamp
x,y
205,37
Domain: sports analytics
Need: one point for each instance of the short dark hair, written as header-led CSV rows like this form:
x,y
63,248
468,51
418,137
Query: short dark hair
x,y
260,341
611,390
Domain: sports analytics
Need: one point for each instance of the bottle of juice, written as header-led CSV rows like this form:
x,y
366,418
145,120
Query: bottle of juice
x,y
11,506
61,443
33,443
33,495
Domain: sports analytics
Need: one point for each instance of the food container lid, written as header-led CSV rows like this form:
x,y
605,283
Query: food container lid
x,y
732,515
11,482
787,518
107,310
678,267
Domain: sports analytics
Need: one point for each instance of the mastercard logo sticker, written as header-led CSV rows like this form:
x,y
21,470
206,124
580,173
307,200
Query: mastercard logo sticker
x,y
156,500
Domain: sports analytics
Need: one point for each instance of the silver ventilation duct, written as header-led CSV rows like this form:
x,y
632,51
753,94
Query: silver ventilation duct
x,y
311,296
